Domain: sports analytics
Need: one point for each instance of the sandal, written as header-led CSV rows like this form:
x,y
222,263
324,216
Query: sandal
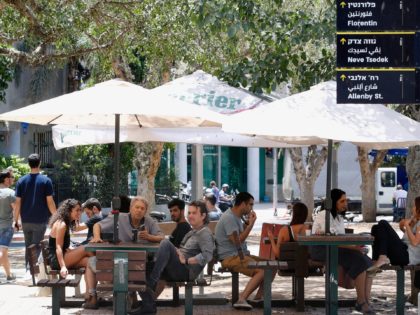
x,y
368,311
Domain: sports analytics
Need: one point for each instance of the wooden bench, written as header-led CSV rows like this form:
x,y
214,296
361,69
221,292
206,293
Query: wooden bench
x,y
121,272
54,273
399,307
57,285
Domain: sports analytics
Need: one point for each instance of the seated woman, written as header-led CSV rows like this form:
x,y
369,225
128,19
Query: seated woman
x,y
184,263
287,233
61,256
389,248
350,258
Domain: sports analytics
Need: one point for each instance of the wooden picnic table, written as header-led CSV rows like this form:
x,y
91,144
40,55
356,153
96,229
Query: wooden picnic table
x,y
332,242
120,301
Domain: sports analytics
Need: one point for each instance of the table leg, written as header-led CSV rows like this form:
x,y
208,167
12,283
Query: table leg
x,y
331,280
400,292
268,275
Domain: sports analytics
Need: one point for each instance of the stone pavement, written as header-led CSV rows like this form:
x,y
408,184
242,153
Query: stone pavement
x,y
20,298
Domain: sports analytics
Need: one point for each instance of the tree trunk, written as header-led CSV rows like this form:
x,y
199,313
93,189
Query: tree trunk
x,y
413,173
307,173
147,162
368,171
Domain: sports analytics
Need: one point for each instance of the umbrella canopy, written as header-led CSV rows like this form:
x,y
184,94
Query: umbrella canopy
x,y
65,136
314,117
201,90
99,104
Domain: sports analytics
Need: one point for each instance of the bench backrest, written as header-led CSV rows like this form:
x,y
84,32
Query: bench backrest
x,y
167,227
297,257
133,263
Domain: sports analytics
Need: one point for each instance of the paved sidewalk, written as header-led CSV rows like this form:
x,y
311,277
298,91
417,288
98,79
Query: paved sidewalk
x,y
20,298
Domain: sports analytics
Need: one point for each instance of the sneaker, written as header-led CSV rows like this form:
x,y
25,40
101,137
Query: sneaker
x,y
12,277
242,305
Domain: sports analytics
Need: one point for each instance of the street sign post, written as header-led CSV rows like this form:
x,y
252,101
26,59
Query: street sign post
x,y
378,86
378,51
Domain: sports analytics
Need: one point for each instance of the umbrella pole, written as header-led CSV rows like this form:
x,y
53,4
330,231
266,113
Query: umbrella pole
x,y
116,203
327,226
328,201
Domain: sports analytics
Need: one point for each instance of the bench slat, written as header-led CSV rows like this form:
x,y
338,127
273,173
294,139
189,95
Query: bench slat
x,y
109,264
109,254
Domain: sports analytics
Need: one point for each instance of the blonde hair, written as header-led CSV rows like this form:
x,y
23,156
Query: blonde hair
x,y
140,198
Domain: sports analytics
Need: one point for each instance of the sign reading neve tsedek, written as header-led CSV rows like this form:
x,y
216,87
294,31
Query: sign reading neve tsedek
x,y
377,87
378,15
378,51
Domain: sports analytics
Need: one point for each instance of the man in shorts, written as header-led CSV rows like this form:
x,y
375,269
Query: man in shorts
x,y
241,219
7,200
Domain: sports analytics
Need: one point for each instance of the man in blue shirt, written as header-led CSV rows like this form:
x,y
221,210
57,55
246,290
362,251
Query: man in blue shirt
x,y
34,203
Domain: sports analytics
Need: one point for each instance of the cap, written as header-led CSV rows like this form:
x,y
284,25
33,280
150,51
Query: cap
x,y
399,186
225,185
90,203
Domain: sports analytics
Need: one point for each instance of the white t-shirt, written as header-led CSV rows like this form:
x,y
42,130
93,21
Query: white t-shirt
x,y
400,193
336,225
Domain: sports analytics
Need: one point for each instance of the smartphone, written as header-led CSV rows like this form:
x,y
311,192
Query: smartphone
x,y
142,227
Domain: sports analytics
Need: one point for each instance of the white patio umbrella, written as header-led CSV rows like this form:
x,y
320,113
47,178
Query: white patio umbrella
x,y
114,103
200,89
314,117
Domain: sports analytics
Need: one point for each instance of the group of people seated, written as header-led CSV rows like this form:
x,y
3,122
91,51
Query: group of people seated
x,y
192,245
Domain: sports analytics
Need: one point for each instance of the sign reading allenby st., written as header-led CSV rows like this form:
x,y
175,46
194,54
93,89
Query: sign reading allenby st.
x,y
371,15
378,86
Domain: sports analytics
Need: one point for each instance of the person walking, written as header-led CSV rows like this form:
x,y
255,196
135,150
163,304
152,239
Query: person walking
x,y
34,204
7,200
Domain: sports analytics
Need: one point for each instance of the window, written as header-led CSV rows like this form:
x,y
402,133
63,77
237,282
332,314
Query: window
x,y
388,179
43,145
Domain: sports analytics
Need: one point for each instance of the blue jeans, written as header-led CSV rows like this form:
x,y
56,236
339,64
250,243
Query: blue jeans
x,y
166,256
34,234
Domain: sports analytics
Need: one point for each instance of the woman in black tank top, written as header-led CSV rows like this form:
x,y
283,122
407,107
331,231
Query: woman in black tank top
x,y
287,233
62,257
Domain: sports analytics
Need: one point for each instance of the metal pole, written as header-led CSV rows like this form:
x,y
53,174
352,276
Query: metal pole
x,y
275,181
197,172
328,202
117,156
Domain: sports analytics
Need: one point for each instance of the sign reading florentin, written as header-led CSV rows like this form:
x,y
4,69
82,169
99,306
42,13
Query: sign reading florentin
x,y
378,86
363,15
379,49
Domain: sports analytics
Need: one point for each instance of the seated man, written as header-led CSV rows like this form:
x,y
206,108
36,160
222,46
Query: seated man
x,y
214,212
136,220
92,208
184,263
227,251
176,208
225,200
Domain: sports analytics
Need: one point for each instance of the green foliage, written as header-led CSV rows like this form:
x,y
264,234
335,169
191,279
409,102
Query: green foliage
x,y
89,171
6,76
271,42
20,167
